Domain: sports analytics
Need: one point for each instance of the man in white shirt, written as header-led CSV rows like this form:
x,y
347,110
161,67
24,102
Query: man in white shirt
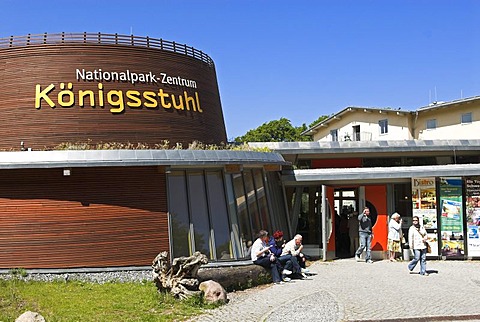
x,y
294,248
262,256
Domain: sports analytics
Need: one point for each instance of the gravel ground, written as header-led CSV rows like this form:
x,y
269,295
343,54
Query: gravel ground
x,y
101,278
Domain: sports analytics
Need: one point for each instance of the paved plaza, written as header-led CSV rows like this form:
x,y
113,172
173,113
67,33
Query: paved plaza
x,y
346,290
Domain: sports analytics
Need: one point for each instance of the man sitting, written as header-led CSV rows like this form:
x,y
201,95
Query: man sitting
x,y
294,248
262,256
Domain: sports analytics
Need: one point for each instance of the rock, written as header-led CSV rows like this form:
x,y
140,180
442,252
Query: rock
x,y
30,316
213,292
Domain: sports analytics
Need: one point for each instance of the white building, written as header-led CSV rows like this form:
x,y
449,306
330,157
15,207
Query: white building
x,y
459,119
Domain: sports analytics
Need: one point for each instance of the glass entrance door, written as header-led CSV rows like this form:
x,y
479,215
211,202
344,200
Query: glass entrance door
x,y
346,222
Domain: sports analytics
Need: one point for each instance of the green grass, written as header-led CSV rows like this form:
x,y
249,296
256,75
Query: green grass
x,y
78,301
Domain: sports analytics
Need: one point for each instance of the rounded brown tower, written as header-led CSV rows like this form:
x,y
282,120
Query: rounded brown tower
x,y
102,88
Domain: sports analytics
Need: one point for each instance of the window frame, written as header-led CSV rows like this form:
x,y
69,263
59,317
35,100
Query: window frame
x,y
383,125
428,124
334,135
470,121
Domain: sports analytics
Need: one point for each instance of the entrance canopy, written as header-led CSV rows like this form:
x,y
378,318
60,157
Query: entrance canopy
x,y
336,176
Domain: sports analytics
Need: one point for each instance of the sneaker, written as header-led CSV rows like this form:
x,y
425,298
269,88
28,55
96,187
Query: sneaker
x,y
286,272
305,270
304,275
369,261
287,279
357,258
279,283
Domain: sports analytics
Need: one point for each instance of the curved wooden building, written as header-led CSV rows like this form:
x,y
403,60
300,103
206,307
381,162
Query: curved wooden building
x,y
60,88
100,208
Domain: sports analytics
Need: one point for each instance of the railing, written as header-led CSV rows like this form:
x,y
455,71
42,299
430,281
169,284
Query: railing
x,y
358,136
110,39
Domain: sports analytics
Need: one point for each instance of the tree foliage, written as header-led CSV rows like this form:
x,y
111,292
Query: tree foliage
x,y
320,119
280,130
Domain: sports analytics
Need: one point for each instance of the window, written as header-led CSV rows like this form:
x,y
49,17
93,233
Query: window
x,y
218,210
383,126
431,124
199,212
178,210
334,134
356,133
467,118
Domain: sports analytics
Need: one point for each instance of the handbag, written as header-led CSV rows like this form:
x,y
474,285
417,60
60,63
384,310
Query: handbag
x,y
429,248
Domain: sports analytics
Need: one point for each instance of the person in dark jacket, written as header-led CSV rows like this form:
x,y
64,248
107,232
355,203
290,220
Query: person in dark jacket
x,y
365,235
289,263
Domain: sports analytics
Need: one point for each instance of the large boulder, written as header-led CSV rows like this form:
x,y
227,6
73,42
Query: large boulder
x,y
30,316
213,292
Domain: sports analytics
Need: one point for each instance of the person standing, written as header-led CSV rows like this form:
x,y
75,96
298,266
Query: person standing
x,y
417,237
353,232
262,256
394,230
365,235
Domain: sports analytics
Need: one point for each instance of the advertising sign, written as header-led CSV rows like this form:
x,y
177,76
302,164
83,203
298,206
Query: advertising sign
x,y
451,219
472,205
424,200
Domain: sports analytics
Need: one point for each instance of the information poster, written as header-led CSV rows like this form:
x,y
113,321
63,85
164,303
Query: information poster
x,y
451,219
472,205
424,200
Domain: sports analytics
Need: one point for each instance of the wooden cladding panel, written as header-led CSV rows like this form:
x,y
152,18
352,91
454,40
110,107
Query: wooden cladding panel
x,y
22,68
96,217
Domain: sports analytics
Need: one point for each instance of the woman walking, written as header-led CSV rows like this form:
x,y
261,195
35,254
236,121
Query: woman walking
x,y
417,237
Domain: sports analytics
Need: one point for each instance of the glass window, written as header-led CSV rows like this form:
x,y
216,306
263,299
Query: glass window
x,y
252,201
246,235
431,124
219,214
356,133
383,126
199,212
239,246
178,212
466,118
262,199
334,135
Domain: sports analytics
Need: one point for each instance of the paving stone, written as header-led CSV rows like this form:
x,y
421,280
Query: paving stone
x,y
344,290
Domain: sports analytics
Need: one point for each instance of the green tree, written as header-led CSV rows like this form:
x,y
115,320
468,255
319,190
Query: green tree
x,y
320,119
280,130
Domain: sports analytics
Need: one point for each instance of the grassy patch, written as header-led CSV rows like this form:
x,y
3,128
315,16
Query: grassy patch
x,y
78,301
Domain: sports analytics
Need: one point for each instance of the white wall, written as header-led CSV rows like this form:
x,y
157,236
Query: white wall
x,y
368,132
456,131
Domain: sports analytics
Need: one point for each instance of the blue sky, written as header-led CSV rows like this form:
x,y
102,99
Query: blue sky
x,y
294,59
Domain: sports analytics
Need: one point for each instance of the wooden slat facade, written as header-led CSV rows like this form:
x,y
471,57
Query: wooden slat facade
x,y
96,217
24,67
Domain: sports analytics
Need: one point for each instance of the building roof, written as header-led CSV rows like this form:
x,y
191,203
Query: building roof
x,y
102,158
390,146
